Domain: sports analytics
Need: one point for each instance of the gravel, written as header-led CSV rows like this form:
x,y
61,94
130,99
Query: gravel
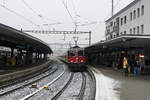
x,y
73,89
52,89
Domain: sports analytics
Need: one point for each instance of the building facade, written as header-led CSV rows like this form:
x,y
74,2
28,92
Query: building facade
x,y
134,19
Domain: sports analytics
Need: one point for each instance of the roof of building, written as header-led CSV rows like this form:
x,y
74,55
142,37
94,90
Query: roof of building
x,y
124,9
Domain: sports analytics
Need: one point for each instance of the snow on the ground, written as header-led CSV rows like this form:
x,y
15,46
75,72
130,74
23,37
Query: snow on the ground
x,y
106,88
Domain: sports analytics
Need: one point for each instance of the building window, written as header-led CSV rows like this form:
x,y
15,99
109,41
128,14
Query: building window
x,y
121,33
134,14
114,23
125,19
138,12
138,29
142,29
142,10
130,31
133,30
111,24
125,32
131,16
117,21
121,21
117,34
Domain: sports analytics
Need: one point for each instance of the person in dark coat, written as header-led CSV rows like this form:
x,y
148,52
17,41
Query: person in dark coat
x,y
137,69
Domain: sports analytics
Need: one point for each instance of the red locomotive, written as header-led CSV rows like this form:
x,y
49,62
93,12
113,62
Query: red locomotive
x,y
76,59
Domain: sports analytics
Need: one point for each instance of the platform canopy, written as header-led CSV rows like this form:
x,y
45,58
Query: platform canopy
x,y
124,41
129,41
13,38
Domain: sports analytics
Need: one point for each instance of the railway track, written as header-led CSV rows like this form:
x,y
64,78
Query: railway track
x,y
21,79
80,93
25,87
74,87
63,89
41,88
39,77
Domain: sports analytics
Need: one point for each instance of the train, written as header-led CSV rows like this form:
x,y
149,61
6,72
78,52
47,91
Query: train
x,y
76,59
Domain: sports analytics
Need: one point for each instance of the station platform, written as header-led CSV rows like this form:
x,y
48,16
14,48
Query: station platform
x,y
22,71
114,85
10,69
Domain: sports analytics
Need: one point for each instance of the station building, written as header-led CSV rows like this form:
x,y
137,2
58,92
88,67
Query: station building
x,y
127,34
134,19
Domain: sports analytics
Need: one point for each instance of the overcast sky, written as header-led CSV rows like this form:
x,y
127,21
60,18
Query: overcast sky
x,y
43,14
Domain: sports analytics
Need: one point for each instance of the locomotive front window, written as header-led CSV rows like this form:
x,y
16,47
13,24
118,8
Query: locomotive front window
x,y
71,53
80,53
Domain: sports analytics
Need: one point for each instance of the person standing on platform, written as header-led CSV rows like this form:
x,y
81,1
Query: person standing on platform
x,y
129,64
125,63
137,68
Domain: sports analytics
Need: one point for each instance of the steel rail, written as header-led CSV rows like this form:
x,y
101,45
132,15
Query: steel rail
x,y
90,72
82,90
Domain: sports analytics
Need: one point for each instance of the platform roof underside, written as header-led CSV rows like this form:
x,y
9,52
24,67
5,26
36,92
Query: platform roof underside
x,y
13,38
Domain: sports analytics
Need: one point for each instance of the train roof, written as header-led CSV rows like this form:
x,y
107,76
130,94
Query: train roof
x,y
76,47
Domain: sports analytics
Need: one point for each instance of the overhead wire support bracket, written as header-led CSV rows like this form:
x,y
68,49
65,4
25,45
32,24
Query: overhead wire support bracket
x,y
60,32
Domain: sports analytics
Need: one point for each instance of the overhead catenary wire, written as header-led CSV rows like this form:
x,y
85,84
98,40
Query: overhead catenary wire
x,y
66,7
19,15
74,22
26,4
88,22
74,8
40,15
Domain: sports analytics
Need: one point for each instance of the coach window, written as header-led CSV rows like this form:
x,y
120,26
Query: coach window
x,y
138,12
142,10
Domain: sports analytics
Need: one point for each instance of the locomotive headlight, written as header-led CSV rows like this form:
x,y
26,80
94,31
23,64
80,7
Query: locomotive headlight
x,y
81,60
